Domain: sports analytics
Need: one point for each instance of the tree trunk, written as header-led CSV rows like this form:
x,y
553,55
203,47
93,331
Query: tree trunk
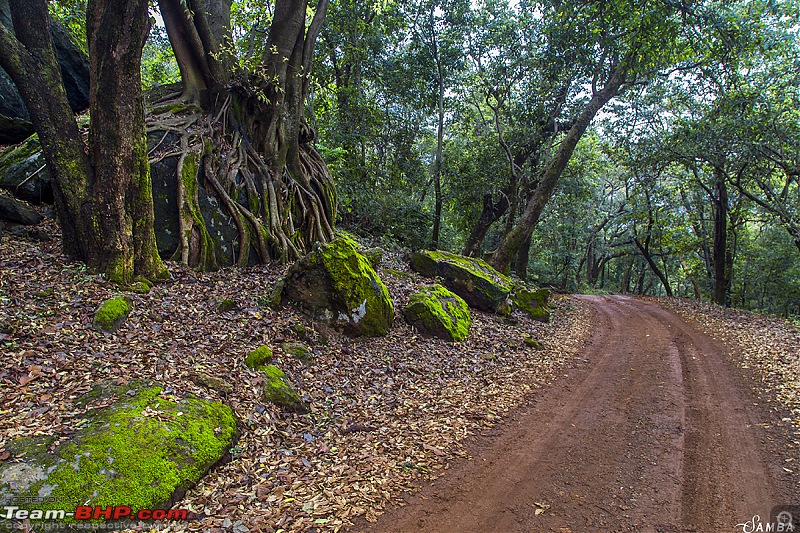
x,y
263,168
29,58
103,199
552,172
121,191
490,214
720,246
521,261
653,266
437,165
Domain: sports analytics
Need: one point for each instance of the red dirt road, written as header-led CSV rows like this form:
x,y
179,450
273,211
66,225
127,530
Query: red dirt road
x,y
652,431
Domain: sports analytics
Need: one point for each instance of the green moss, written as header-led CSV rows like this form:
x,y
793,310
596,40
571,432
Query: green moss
x,y
368,305
137,452
226,304
533,343
436,311
473,279
191,209
138,287
21,152
533,303
111,314
299,351
277,390
478,267
258,358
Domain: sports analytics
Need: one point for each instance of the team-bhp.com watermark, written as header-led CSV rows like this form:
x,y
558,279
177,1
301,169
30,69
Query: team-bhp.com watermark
x,y
88,517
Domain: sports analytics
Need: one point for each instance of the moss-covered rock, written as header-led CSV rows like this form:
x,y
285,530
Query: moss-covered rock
x,y
480,285
533,343
144,450
299,351
140,285
438,312
533,303
279,391
23,172
111,314
223,305
259,358
336,284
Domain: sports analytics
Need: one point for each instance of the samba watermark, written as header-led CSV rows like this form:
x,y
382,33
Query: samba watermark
x,y
782,519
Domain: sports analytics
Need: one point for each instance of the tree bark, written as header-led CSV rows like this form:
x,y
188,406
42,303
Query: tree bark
x,y
720,245
259,119
552,172
102,192
29,58
490,214
121,187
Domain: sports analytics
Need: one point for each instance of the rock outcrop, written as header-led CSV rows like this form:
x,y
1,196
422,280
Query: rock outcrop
x,y
480,285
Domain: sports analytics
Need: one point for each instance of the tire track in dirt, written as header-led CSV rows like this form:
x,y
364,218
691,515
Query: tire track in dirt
x,y
652,430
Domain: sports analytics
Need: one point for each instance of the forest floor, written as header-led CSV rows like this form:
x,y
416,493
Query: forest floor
x,y
385,412
570,433
655,427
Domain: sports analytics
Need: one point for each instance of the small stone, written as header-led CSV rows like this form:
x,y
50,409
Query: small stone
x,y
259,358
212,382
111,314
299,351
280,392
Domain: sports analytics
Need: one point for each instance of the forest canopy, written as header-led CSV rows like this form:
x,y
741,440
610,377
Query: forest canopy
x,y
648,147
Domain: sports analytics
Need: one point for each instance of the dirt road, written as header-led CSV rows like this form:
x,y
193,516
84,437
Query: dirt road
x,y
653,430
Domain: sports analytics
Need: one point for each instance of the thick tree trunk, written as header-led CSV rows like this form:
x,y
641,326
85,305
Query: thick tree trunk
x,y
522,258
552,172
29,58
121,189
263,152
103,200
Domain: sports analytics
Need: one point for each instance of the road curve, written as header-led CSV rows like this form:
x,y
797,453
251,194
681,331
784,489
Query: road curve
x,y
651,430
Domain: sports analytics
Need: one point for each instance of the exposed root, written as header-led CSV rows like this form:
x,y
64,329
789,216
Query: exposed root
x,y
278,215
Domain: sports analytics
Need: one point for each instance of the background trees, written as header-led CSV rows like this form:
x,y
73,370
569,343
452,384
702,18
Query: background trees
x,y
646,147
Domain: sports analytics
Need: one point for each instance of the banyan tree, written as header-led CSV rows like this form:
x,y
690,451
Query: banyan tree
x,y
237,137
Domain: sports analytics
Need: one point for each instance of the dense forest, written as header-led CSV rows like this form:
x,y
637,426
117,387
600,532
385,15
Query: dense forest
x,y
274,266
647,147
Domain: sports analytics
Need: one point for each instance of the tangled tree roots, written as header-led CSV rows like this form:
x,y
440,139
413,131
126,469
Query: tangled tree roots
x,y
278,215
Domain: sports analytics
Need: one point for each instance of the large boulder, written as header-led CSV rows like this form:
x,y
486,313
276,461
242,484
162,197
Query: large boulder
x,y
437,312
13,210
144,451
74,65
336,285
480,285
23,172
